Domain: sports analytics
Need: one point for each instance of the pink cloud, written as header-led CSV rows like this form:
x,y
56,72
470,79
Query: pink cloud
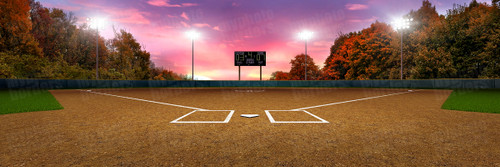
x,y
184,15
202,25
162,3
356,7
166,3
216,28
189,4
185,24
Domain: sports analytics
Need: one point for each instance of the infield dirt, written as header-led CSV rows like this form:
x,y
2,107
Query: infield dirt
x,y
401,130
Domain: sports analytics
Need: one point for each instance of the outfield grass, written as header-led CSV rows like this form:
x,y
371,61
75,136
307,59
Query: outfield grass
x,y
17,101
474,100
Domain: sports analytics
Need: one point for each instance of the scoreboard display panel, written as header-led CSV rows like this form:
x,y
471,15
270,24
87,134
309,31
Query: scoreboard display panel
x,y
247,58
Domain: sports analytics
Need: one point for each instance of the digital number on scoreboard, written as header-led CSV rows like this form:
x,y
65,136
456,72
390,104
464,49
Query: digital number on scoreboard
x,y
245,58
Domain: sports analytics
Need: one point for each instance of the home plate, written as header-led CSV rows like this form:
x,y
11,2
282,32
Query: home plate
x,y
249,115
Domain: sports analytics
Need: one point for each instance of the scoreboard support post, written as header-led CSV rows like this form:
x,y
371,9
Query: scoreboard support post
x,y
239,73
261,73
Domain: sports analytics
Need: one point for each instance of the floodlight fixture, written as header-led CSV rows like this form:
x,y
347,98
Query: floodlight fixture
x,y
193,34
400,24
96,22
305,35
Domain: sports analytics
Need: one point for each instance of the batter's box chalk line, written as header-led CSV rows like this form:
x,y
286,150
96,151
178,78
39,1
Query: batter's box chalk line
x,y
271,118
178,120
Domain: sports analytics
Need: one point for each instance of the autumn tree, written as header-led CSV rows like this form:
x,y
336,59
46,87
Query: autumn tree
x,y
491,54
335,66
471,37
15,26
128,57
298,67
370,54
41,22
464,44
279,75
83,44
426,57
46,43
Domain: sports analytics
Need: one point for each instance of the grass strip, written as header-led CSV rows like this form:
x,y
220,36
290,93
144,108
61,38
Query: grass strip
x,y
484,100
26,100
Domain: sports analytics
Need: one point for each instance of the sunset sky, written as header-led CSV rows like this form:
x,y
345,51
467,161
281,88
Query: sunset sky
x,y
238,25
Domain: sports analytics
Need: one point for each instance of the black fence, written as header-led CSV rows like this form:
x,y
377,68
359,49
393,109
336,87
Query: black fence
x,y
82,84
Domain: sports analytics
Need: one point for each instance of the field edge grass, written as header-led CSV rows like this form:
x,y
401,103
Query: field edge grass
x,y
477,100
27,100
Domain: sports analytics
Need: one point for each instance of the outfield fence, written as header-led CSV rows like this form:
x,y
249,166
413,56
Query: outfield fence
x,y
82,84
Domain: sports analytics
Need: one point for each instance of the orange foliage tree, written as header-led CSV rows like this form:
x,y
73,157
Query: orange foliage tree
x,y
298,67
364,55
280,75
15,26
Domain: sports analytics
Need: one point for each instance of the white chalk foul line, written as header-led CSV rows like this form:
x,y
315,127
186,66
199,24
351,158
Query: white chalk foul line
x,y
150,101
349,101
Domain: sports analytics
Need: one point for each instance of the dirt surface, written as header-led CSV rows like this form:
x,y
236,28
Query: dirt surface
x,y
406,129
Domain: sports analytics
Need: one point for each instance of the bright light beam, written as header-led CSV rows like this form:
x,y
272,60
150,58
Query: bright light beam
x,y
305,35
193,34
96,22
401,23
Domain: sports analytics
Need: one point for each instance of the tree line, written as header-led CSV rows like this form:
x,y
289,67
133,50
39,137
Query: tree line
x,y
461,44
38,42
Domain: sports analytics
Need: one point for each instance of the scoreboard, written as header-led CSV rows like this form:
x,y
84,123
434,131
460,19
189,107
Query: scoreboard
x,y
246,58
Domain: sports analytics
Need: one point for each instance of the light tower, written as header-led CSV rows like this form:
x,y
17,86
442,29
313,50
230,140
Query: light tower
x,y
193,35
305,35
401,25
95,23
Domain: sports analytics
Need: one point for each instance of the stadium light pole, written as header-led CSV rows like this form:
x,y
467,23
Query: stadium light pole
x,y
193,35
305,35
401,25
95,22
